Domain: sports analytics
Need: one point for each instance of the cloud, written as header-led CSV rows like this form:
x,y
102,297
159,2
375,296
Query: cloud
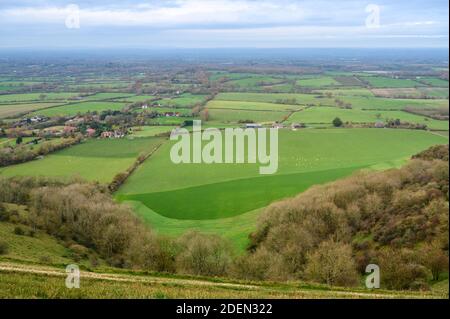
x,y
224,23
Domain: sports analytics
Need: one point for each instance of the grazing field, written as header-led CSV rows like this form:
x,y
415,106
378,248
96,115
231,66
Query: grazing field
x,y
83,107
371,103
95,160
251,106
167,194
318,82
107,96
149,131
279,98
325,115
436,82
184,101
255,81
236,116
9,110
387,82
347,92
137,98
42,97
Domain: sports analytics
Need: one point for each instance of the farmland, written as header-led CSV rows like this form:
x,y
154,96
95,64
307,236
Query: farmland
x,y
122,120
97,160
83,107
182,194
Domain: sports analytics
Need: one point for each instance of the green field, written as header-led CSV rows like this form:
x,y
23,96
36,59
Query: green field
x,y
8,110
318,82
234,116
387,82
149,131
251,106
83,107
437,82
49,97
96,160
184,100
166,194
325,115
301,99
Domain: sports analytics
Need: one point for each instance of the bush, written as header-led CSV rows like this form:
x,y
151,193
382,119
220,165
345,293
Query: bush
x,y
332,264
337,122
200,254
19,231
4,247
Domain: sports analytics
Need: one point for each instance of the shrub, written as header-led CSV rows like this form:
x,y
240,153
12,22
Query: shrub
x,y
4,247
200,254
19,231
332,264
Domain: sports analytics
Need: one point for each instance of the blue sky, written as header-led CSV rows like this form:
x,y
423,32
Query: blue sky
x,y
223,23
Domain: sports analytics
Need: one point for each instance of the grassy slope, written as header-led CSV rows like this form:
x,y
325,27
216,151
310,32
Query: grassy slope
x,y
98,160
20,281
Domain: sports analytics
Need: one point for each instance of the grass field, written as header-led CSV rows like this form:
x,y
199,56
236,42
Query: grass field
x,y
234,116
49,97
83,107
184,100
437,82
166,194
30,281
318,82
387,82
325,115
95,160
9,110
149,131
251,106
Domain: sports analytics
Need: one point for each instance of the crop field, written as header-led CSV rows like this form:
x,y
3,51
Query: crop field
x,y
251,106
166,194
83,107
95,160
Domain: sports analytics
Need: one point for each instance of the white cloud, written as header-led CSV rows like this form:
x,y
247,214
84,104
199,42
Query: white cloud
x,y
184,12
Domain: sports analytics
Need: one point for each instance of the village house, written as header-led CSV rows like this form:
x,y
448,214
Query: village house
x,y
107,134
145,106
75,121
90,132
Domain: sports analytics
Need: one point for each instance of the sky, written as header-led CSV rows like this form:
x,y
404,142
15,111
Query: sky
x,y
223,24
